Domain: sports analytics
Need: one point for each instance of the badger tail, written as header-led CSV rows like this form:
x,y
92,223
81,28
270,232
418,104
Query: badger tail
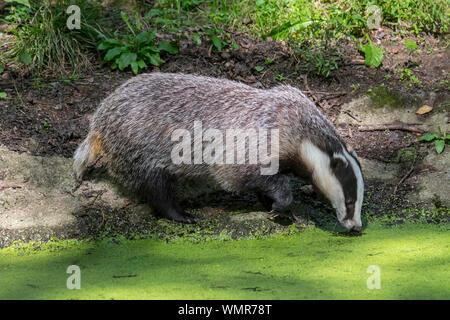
x,y
85,154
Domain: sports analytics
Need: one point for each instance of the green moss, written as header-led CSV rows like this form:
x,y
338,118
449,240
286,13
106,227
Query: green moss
x,y
405,155
382,96
312,264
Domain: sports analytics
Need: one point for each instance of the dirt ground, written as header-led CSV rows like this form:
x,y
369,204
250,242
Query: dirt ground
x,y
46,119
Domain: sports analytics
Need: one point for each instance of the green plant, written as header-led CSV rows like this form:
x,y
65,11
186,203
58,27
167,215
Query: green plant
x,y
408,74
221,39
269,60
322,62
410,45
135,50
405,155
46,124
259,68
279,77
22,2
373,55
43,41
440,139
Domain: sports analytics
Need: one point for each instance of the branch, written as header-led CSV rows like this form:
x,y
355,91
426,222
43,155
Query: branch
x,y
391,126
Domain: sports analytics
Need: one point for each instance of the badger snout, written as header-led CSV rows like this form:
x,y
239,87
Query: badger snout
x,y
351,225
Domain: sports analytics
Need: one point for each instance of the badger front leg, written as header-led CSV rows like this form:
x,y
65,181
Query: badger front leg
x,y
160,191
274,192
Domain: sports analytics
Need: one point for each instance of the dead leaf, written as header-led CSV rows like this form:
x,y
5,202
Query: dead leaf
x,y
424,109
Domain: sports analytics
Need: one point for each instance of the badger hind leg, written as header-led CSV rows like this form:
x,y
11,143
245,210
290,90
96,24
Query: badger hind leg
x,y
159,191
274,192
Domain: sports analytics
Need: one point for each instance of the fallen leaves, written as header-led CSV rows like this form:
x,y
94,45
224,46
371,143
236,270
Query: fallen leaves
x,y
424,109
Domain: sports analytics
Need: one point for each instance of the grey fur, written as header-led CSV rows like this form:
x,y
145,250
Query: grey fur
x,y
134,124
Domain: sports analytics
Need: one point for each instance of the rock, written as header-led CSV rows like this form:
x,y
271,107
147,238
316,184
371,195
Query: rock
x,y
431,186
44,199
33,145
438,161
377,170
381,35
372,109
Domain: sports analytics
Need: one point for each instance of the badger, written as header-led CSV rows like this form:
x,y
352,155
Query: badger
x,y
138,132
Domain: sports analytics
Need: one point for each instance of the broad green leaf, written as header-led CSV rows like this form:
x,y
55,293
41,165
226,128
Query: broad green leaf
x,y
197,39
411,45
1,70
155,59
439,144
168,47
3,95
108,43
373,55
145,37
287,28
217,42
142,64
112,53
25,57
126,59
259,68
134,67
428,137
150,49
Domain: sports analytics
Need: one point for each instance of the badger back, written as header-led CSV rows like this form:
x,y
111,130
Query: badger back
x,y
135,122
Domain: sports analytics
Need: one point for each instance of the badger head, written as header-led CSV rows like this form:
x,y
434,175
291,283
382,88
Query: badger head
x,y
338,178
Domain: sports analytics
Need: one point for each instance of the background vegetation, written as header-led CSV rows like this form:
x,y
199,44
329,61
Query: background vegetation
x,y
128,28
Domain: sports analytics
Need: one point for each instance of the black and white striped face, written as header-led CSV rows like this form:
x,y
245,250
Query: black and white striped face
x,y
345,167
339,179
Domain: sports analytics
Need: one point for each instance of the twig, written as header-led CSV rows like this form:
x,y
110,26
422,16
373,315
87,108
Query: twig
x,y
352,115
392,126
333,96
330,94
12,186
404,178
99,193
